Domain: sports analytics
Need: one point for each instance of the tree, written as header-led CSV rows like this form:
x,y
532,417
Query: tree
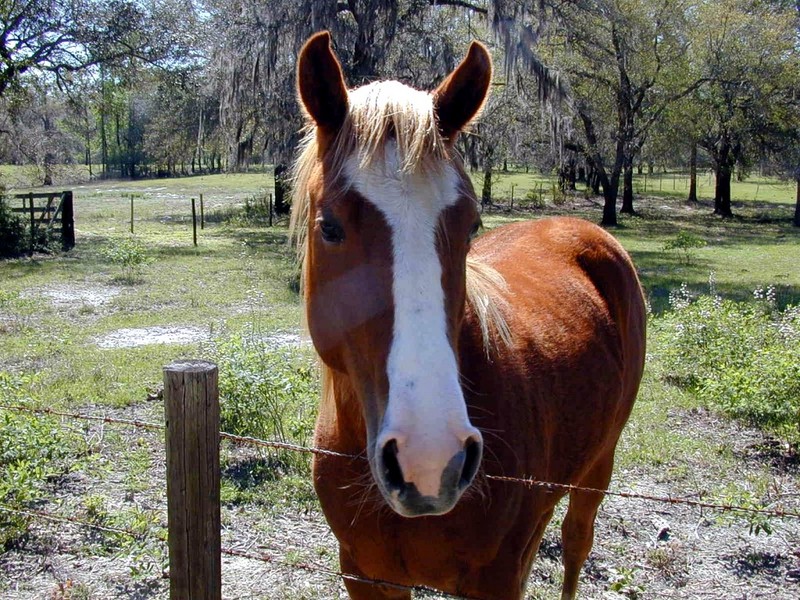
x,y
615,65
749,53
64,36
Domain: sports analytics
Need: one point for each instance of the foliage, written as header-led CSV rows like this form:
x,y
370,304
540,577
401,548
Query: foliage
x,y
130,255
738,357
256,209
535,199
12,232
685,242
559,195
33,450
269,391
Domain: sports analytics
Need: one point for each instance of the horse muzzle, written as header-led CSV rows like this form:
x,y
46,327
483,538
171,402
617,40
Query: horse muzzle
x,y
415,484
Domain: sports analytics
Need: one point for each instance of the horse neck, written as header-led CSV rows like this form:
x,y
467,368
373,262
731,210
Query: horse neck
x,y
340,424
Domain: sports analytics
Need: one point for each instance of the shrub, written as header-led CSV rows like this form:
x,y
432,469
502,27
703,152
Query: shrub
x,y
33,451
559,195
535,199
12,232
130,255
684,243
269,392
738,357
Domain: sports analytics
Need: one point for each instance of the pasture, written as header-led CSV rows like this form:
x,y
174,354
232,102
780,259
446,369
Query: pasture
x,y
79,333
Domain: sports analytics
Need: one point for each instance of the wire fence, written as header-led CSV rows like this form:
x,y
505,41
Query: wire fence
x,y
526,481
776,512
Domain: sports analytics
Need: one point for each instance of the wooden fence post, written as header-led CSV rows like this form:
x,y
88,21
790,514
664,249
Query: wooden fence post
x,y
67,221
191,401
202,214
270,210
194,222
33,225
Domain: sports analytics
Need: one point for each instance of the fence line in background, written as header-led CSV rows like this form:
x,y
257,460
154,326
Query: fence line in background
x,y
251,441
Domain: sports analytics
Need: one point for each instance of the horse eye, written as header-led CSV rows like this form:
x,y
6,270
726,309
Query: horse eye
x,y
475,228
331,232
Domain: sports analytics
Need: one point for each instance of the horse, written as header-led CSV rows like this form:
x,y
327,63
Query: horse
x,y
450,360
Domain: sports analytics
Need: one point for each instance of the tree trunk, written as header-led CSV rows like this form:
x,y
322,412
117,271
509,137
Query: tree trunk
x,y
486,194
595,183
797,206
693,174
281,190
610,204
722,197
627,190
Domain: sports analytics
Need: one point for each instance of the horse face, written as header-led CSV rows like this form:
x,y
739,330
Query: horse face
x,y
386,272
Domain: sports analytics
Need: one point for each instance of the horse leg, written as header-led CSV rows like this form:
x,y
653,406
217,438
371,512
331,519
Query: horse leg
x,y
361,590
577,531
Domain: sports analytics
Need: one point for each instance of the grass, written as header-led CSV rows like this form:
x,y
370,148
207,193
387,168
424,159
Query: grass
x,y
236,288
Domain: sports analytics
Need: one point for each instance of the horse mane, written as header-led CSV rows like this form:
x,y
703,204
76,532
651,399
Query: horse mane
x,y
378,112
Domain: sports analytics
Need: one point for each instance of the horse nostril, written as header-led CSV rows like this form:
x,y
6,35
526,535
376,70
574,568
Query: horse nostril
x,y
391,468
472,460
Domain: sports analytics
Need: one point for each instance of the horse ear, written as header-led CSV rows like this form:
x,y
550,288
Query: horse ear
x,y
461,96
320,82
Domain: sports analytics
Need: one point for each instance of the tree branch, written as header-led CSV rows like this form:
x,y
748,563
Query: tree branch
x,y
460,4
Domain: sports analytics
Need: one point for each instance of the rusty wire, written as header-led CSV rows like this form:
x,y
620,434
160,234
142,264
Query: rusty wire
x,y
262,557
529,482
347,576
40,514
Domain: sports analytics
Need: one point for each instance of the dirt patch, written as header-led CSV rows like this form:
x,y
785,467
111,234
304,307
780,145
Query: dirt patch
x,y
65,296
284,340
146,336
642,550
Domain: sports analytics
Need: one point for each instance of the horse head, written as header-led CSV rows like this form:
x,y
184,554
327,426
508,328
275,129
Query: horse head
x,y
390,213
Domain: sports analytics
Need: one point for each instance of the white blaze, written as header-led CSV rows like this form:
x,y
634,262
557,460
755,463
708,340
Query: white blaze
x,y
426,412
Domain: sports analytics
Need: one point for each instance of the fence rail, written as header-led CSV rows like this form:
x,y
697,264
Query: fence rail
x,y
49,215
527,481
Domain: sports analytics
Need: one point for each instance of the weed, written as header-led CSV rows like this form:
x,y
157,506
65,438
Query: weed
x,y
535,199
738,357
267,392
71,590
33,451
685,243
130,255
559,195
12,231
623,581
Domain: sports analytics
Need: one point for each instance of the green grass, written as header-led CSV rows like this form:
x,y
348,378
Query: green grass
x,y
237,285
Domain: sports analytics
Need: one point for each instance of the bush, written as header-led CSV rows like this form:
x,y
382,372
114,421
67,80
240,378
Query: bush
x,y
559,195
33,451
269,392
685,243
130,255
12,232
738,357
535,199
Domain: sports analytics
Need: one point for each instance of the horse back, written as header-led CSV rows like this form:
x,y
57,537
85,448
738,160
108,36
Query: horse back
x,y
559,393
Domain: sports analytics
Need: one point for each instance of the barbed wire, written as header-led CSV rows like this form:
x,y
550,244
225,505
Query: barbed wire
x,y
81,416
48,516
262,557
527,481
346,576
770,512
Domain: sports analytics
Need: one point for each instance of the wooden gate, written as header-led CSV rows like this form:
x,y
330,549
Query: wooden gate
x,y
49,212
